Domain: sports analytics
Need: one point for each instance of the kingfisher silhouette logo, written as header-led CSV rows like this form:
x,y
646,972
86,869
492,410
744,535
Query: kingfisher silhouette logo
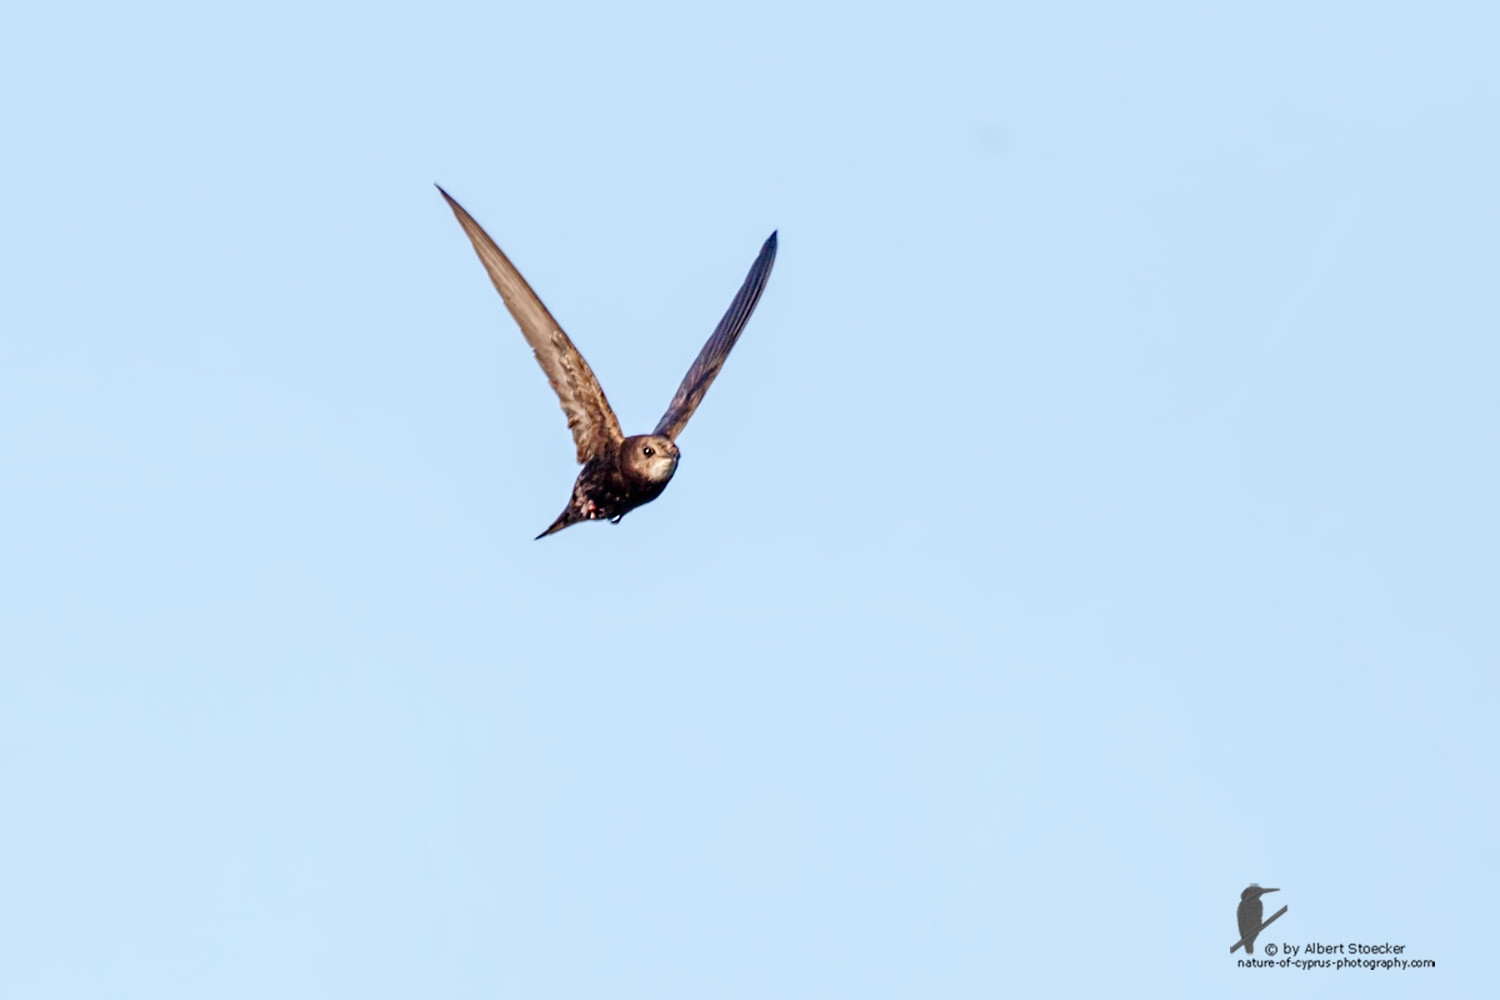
x,y
1249,916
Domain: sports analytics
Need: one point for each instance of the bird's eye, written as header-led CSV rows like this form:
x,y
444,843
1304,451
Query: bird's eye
x,y
648,451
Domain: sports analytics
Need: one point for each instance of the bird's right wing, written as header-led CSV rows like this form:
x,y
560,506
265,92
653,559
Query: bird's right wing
x,y
592,422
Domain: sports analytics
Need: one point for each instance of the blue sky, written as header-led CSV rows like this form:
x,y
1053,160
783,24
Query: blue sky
x,y
1097,516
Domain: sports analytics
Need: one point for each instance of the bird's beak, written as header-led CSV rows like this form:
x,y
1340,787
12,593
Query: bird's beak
x,y
1264,891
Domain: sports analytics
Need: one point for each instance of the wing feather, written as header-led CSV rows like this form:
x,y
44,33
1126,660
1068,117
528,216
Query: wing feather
x,y
592,422
706,366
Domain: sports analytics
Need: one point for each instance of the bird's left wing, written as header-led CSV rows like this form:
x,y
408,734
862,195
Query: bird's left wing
x,y
592,422
706,366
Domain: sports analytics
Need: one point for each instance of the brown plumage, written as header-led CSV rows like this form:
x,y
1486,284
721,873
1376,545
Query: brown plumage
x,y
619,473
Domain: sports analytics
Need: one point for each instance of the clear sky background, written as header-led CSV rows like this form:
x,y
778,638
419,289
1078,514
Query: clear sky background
x,y
1098,515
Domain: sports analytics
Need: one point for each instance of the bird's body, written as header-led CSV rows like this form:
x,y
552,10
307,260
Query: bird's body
x,y
618,480
1249,915
619,473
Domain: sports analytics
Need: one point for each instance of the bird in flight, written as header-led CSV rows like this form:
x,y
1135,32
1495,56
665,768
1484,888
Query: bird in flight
x,y
619,473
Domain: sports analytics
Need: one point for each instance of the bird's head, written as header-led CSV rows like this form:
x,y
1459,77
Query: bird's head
x,y
651,457
1255,892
